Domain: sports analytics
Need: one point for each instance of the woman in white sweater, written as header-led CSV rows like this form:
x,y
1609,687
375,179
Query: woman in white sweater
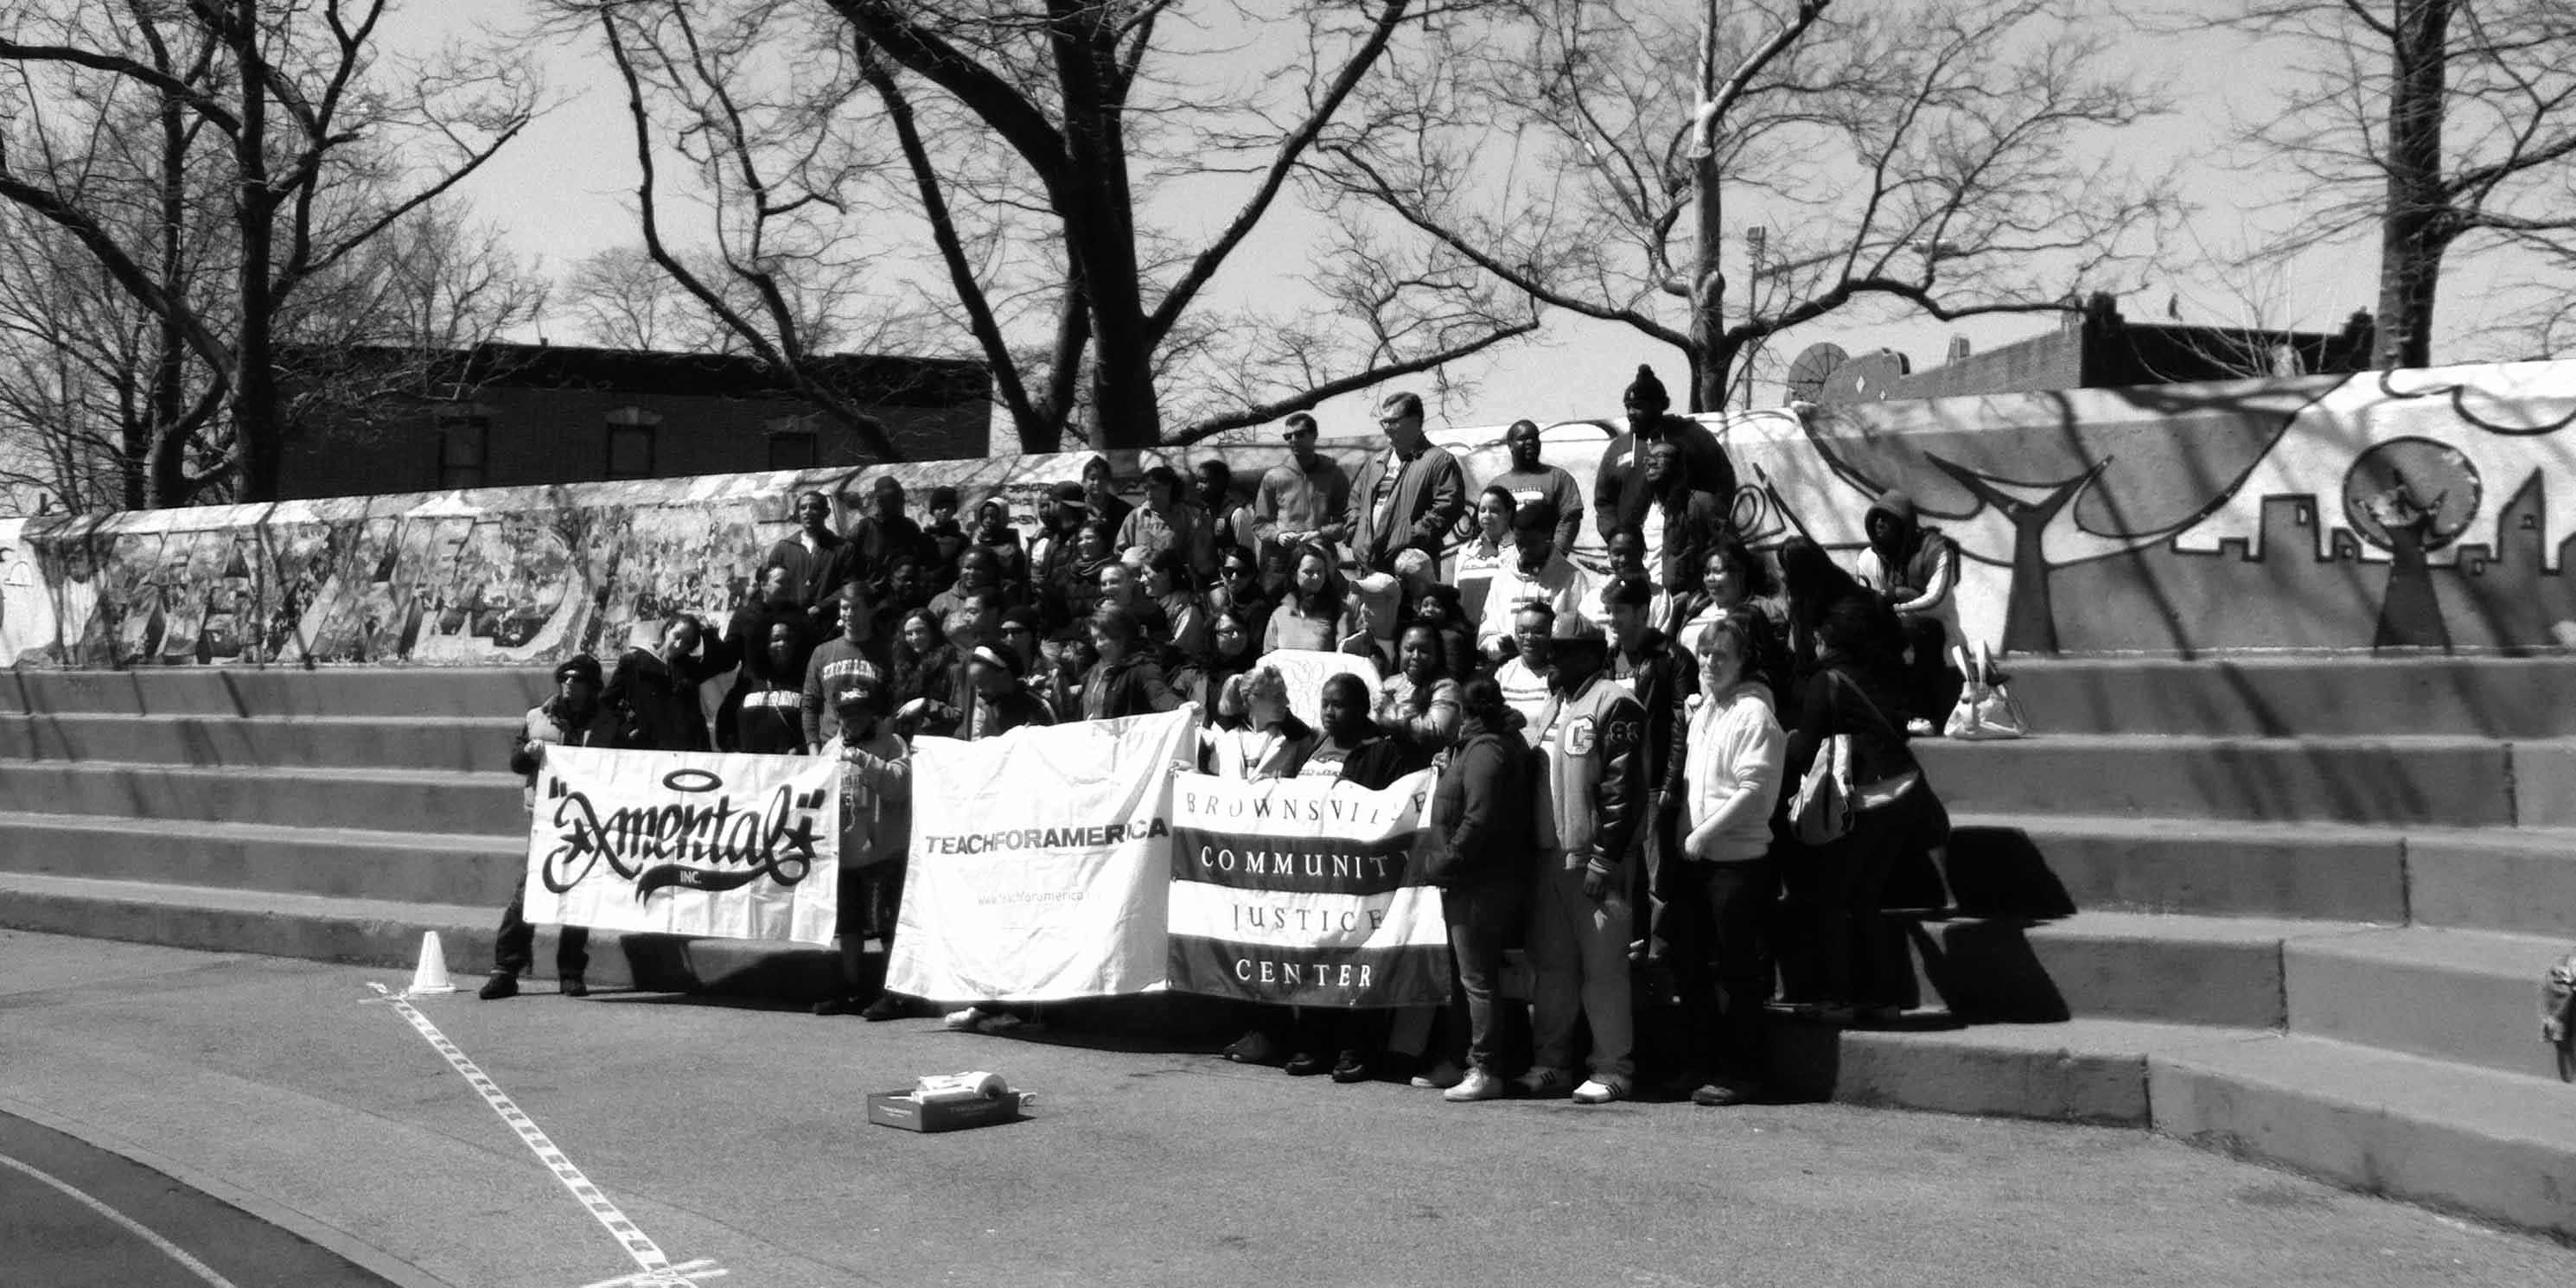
x,y
1731,774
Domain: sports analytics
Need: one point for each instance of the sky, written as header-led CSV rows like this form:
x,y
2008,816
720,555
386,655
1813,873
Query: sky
x,y
564,189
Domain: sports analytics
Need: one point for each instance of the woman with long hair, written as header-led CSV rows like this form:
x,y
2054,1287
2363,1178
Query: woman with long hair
x,y
1816,587
1419,703
1315,613
1126,681
1736,582
1170,586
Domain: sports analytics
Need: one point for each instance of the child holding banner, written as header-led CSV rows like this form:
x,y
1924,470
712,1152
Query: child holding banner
x,y
876,830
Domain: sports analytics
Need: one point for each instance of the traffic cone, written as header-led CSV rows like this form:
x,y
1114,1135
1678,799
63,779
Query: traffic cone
x,y
431,975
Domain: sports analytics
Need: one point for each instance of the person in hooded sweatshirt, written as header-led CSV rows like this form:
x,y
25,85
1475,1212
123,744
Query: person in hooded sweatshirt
x,y
1734,751
1914,567
1621,492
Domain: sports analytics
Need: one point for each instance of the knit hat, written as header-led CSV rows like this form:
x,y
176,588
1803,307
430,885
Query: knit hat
x,y
943,497
580,666
1645,390
1537,516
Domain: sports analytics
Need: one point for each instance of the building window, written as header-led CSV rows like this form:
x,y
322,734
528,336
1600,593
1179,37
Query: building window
x,y
464,443
792,449
630,443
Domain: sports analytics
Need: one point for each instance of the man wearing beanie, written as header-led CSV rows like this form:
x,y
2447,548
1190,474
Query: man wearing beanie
x,y
1621,494
573,717
1408,496
1591,738
1531,479
1535,572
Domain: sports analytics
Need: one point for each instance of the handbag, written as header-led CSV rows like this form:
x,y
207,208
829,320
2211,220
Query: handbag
x,y
1986,711
1823,809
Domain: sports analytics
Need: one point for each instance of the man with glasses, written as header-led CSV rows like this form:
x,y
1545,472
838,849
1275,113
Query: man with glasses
x,y
1407,498
1303,498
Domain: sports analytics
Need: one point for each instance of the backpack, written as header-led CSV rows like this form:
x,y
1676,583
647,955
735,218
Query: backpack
x,y
2558,1013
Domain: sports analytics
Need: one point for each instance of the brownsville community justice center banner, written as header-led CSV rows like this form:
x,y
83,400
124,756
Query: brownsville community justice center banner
x,y
686,843
1305,891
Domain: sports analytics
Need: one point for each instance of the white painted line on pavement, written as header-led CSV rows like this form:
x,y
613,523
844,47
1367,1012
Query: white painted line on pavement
x,y
647,1255
168,1249
702,1268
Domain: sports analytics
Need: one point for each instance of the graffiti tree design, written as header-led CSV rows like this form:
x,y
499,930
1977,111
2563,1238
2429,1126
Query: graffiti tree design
x,y
2410,497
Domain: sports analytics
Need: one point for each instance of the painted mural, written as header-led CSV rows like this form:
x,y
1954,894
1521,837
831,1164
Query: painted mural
x,y
2390,510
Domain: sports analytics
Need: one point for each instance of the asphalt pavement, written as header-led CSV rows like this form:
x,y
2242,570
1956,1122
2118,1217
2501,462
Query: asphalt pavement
x,y
731,1142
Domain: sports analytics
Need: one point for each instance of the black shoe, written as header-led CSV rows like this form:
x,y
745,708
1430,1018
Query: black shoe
x,y
886,1007
501,984
573,986
1305,1064
1352,1067
838,1006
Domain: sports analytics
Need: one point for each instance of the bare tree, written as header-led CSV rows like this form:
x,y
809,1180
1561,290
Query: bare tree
x,y
211,160
1940,159
1051,168
2446,127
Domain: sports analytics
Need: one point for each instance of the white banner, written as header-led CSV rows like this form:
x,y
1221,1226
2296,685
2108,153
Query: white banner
x,y
686,843
1040,860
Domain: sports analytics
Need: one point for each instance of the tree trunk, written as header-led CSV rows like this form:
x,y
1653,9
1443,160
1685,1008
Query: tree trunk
x,y
1100,233
2416,226
1708,359
254,405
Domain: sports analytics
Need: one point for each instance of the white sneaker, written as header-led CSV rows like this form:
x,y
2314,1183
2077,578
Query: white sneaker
x,y
1601,1091
1440,1077
966,1020
1476,1084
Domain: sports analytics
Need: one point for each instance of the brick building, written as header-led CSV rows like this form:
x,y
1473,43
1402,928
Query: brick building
x,y
504,415
2092,349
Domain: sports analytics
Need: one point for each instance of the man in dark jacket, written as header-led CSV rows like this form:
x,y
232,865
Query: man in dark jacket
x,y
1656,674
816,558
1592,735
1621,492
656,690
573,717
883,532
1407,497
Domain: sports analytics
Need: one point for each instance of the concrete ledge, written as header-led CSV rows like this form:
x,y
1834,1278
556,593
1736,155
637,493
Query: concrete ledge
x,y
2516,881
2452,995
400,867
2492,1145
2029,866
2179,970
2456,781
2310,694
451,744
2544,782
2092,1071
378,800
463,691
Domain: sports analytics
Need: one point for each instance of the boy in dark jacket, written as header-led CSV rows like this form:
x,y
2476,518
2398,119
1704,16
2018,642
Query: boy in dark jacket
x,y
574,717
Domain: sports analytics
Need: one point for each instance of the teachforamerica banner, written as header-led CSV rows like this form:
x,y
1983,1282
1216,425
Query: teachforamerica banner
x,y
1038,861
686,843
1305,891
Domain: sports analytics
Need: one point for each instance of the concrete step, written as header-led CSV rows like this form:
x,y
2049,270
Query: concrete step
x,y
2039,866
2495,1146
458,744
2454,995
2516,880
467,691
403,867
156,796
2112,965
2299,695
2488,1144
2455,781
376,932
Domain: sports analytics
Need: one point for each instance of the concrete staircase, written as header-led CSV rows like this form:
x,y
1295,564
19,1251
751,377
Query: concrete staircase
x,y
332,814
2294,908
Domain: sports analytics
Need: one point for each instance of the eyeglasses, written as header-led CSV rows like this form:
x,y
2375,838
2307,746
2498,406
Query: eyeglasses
x,y
1017,630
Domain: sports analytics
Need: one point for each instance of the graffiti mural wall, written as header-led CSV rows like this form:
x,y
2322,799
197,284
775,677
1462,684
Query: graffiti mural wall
x,y
2397,510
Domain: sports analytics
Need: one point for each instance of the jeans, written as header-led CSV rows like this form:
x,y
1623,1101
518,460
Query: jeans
x,y
1578,952
1725,972
514,950
1481,916
1851,873
869,899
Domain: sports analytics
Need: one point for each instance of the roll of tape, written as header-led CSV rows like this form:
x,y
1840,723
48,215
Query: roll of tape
x,y
949,1088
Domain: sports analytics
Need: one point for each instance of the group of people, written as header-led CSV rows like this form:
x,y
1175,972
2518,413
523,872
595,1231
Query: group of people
x,y
1616,748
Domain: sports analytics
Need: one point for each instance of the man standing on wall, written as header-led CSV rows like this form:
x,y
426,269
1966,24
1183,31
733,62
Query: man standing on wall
x,y
1100,492
573,717
883,532
1530,479
1408,497
1305,498
1621,496
816,558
